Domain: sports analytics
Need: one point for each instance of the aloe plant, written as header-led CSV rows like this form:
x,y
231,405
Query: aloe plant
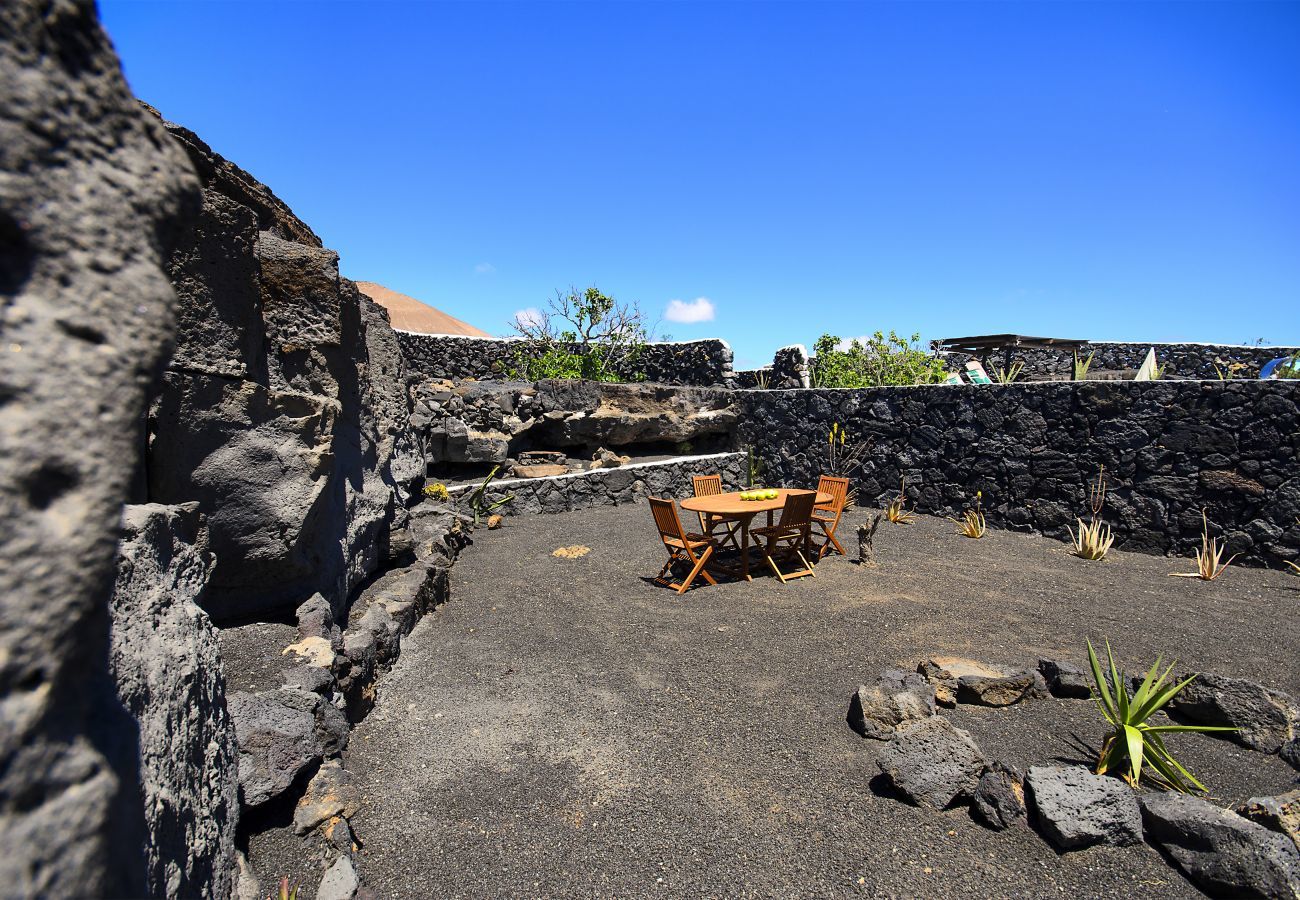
x,y
1135,740
478,498
1093,540
896,509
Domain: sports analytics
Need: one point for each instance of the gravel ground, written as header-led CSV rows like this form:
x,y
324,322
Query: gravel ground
x,y
563,727
252,655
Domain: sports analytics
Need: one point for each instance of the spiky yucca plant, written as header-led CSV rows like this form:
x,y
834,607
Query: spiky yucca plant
x,y
1009,376
1135,740
1209,559
896,509
1081,365
1093,540
972,522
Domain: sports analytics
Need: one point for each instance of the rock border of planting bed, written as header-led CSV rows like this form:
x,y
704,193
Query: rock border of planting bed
x,y
1252,850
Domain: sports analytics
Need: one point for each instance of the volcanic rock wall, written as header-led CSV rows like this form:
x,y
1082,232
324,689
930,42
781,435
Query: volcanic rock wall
x,y
1181,360
1170,450
487,421
705,363
91,190
167,665
284,411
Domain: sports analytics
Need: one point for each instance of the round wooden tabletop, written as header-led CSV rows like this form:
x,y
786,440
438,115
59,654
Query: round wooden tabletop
x,y
732,505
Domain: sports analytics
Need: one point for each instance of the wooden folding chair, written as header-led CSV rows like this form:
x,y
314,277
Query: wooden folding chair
x,y
694,550
711,486
826,516
788,537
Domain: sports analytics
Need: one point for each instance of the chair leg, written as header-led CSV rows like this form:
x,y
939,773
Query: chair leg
x,y
772,563
667,570
807,565
699,569
829,542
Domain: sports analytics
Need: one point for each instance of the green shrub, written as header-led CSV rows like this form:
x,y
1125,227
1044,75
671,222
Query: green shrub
x,y
882,361
582,334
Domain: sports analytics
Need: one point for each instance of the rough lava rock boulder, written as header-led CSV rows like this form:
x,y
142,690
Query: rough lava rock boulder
x,y
1077,809
932,763
332,792
999,798
1290,752
1220,851
1065,679
1267,718
166,660
1004,690
339,881
896,698
286,411
278,740
960,680
1280,813
91,192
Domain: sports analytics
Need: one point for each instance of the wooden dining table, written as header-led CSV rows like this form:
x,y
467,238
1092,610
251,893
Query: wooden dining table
x,y
731,508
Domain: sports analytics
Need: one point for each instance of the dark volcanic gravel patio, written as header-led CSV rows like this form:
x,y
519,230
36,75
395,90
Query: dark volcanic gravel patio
x,y
563,727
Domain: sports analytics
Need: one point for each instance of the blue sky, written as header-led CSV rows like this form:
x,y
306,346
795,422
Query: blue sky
x,y
1107,171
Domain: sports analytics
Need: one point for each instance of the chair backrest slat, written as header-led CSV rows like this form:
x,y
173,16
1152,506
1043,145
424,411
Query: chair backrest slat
x,y
798,509
666,518
707,485
838,488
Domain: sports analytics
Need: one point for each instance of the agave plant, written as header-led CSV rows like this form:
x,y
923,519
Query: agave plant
x,y
1009,376
896,509
1209,559
1135,740
478,502
1081,365
972,522
1093,540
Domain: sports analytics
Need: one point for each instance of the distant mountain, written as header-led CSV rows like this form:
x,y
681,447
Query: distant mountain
x,y
409,314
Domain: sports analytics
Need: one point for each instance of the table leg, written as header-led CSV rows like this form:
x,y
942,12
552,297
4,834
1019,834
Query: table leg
x,y
744,548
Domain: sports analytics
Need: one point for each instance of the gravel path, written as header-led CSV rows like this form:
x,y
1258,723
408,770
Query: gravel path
x,y
563,727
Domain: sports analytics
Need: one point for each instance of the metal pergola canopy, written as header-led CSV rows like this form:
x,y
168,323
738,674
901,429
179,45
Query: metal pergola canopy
x,y
986,343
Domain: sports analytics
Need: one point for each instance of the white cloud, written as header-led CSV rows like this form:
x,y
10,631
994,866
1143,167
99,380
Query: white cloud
x,y
848,342
698,310
484,269
530,317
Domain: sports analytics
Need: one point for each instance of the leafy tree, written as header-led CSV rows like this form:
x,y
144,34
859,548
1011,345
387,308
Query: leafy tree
x,y
883,361
586,334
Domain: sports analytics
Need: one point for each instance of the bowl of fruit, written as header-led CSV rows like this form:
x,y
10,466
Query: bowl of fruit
x,y
760,494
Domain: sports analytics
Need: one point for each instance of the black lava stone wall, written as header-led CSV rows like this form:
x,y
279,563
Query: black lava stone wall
x,y
1181,360
1169,448
705,363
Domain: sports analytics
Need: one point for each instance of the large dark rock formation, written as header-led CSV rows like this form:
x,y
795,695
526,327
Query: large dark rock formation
x,y
167,664
285,411
90,191
488,421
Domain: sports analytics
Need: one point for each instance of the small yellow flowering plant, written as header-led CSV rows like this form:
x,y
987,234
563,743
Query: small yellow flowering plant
x,y
972,523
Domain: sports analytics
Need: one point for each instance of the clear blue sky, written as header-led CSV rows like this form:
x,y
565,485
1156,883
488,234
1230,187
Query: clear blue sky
x,y
1107,171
